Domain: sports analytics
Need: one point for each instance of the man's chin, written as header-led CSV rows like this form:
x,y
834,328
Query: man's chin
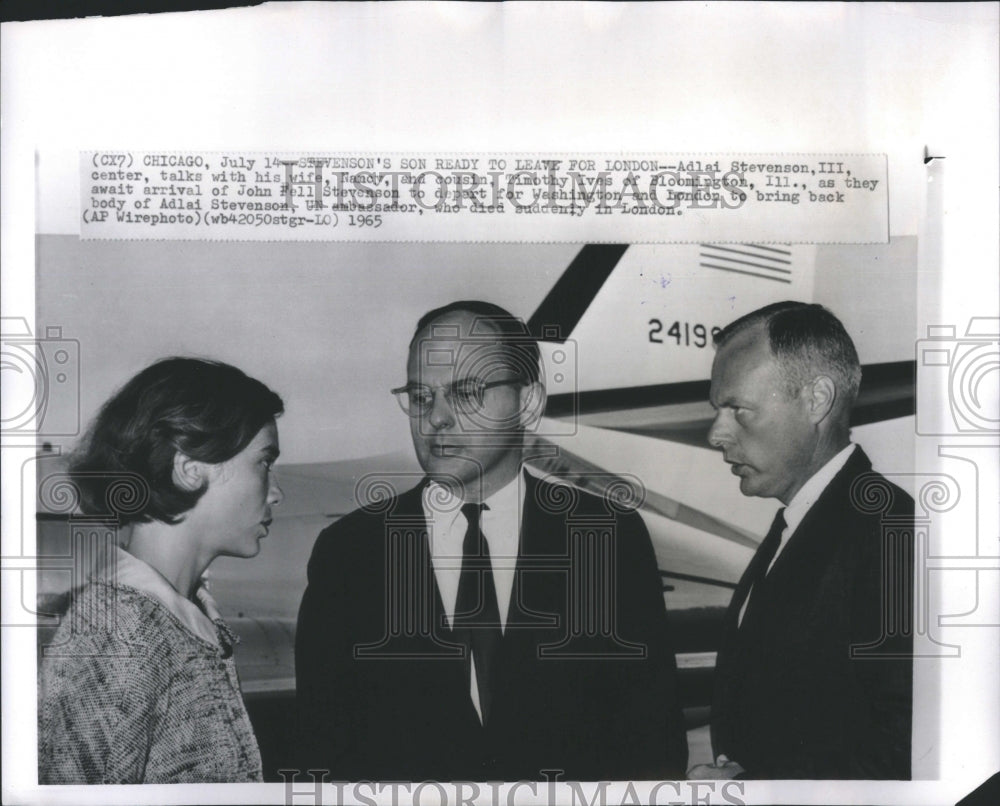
x,y
451,471
749,487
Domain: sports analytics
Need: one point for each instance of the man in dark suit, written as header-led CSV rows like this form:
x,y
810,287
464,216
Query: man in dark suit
x,y
484,625
814,678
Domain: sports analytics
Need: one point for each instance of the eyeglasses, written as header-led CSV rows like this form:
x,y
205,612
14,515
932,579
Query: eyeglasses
x,y
466,395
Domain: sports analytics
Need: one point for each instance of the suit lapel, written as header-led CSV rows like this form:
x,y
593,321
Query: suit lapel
x,y
541,555
410,576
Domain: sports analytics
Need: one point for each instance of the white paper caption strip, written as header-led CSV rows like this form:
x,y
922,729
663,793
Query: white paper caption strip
x,y
648,198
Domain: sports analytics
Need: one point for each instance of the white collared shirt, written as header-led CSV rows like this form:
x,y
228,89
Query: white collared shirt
x,y
134,573
500,525
802,502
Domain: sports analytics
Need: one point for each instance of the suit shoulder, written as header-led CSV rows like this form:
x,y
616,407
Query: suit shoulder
x,y
358,533
866,512
620,499
873,495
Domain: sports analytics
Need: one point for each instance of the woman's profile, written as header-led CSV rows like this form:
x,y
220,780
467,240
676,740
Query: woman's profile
x,y
140,685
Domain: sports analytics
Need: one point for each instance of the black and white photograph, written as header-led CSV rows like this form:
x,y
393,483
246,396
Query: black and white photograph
x,y
501,403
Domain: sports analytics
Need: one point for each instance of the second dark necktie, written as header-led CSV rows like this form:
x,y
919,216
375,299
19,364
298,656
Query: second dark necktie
x,y
477,614
762,560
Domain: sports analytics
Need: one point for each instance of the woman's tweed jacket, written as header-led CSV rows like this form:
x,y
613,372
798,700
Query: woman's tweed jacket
x,y
139,687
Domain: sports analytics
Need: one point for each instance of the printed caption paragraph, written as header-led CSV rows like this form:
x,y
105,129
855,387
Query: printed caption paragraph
x,y
667,198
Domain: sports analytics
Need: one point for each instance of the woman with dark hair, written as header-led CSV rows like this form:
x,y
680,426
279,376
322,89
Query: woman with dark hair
x,y
139,684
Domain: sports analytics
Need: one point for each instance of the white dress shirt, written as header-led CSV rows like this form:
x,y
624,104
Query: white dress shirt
x,y
501,526
802,502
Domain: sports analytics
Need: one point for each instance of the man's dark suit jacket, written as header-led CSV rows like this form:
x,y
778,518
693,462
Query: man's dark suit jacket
x,y
383,692
791,701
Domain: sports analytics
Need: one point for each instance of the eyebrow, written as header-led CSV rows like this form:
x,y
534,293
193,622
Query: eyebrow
x,y
729,402
270,451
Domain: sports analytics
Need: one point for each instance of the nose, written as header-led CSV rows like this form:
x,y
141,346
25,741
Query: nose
x,y
718,434
274,493
441,414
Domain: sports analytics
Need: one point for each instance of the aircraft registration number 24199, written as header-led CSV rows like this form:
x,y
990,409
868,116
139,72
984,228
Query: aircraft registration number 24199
x,y
684,334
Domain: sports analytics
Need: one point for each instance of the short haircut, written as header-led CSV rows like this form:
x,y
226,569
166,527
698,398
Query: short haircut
x,y
519,346
807,340
206,410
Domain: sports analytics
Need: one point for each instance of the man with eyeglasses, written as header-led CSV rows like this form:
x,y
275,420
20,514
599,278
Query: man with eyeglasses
x,y
487,624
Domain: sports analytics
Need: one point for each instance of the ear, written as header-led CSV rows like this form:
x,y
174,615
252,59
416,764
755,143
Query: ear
x,y
189,474
821,395
532,400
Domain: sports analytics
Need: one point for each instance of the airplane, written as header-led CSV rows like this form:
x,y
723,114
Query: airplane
x,y
623,422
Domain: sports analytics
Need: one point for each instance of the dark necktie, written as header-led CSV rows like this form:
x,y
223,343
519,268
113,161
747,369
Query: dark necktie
x,y
762,559
477,615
